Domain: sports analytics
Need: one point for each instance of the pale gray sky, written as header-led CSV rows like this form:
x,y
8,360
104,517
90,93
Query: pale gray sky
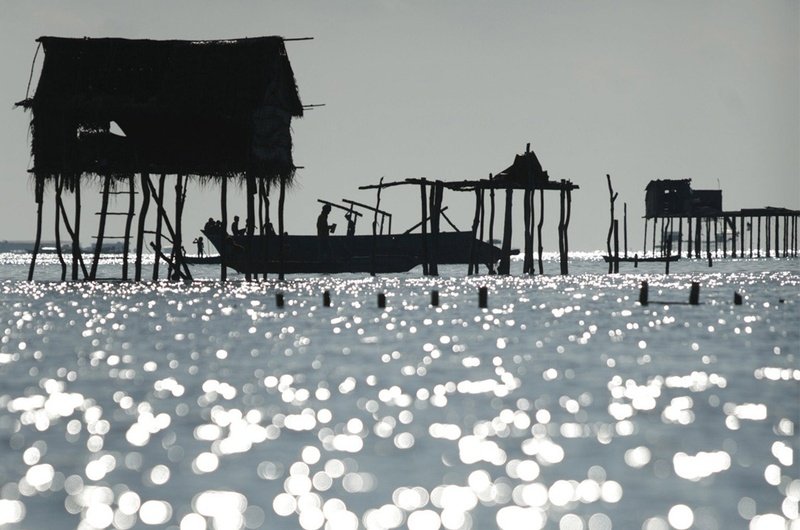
x,y
707,90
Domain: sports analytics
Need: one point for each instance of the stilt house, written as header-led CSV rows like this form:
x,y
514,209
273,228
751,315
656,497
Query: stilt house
x,y
112,108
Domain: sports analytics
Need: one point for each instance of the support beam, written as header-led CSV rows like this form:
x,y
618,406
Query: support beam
x,y
281,228
144,178
423,197
375,228
39,198
223,199
126,244
471,268
159,200
540,248
505,258
159,224
59,182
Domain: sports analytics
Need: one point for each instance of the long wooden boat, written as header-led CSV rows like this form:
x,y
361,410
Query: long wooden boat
x,y
334,254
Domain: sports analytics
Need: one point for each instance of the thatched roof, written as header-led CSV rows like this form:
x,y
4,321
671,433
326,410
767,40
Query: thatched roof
x,y
205,108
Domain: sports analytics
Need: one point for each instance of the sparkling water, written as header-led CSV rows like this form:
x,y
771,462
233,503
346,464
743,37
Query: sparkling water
x,y
564,404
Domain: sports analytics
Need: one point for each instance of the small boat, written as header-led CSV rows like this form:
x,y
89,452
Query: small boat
x,y
384,253
202,260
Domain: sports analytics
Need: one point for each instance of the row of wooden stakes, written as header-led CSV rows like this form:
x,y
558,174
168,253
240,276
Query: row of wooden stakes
x,y
483,298
694,296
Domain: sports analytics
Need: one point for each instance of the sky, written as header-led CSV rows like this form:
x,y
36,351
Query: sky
x,y
707,90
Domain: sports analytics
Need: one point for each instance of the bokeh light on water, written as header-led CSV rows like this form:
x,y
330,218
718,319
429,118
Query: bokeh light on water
x,y
564,405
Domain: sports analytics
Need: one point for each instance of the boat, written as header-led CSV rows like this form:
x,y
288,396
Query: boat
x,y
202,260
383,253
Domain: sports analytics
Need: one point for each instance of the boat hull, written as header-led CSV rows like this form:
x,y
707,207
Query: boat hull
x,y
336,254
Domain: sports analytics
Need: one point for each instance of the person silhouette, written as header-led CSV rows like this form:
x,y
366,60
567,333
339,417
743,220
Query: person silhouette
x,y
235,227
200,246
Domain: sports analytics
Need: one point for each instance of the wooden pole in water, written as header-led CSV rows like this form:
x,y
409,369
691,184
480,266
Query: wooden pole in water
x,y
566,231
750,225
471,268
644,243
491,219
39,198
263,202
480,197
725,223
785,235
223,199
697,236
777,237
375,228
423,197
281,202
655,226
768,234
101,227
58,185
561,230
176,267
716,239
505,258
126,243
177,240
144,178
77,255
742,230
159,224
527,261
612,256
625,228
758,236
540,241
689,236
433,267
249,224
615,258
708,238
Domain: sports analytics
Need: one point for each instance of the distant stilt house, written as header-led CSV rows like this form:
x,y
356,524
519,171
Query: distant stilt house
x,y
116,111
709,229
524,174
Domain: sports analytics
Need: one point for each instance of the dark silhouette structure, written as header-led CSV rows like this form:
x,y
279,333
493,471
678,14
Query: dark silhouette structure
x,y
525,174
710,229
110,109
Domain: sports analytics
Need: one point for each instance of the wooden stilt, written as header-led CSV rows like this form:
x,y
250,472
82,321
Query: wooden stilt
x,y
527,260
566,231
101,227
505,258
708,239
741,235
689,236
59,182
644,244
77,255
697,234
435,199
561,230
281,202
179,269
615,259
625,228
480,198
785,236
265,224
424,205
249,224
491,219
612,256
777,237
475,220
750,224
144,178
680,236
39,198
159,224
768,235
540,248
725,223
758,236
223,198
655,227
375,227
126,243
716,239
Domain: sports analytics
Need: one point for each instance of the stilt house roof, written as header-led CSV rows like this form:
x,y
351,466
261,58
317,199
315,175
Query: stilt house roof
x,y
206,108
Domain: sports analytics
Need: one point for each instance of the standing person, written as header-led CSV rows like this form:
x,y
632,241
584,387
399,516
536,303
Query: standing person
x,y
200,246
323,228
